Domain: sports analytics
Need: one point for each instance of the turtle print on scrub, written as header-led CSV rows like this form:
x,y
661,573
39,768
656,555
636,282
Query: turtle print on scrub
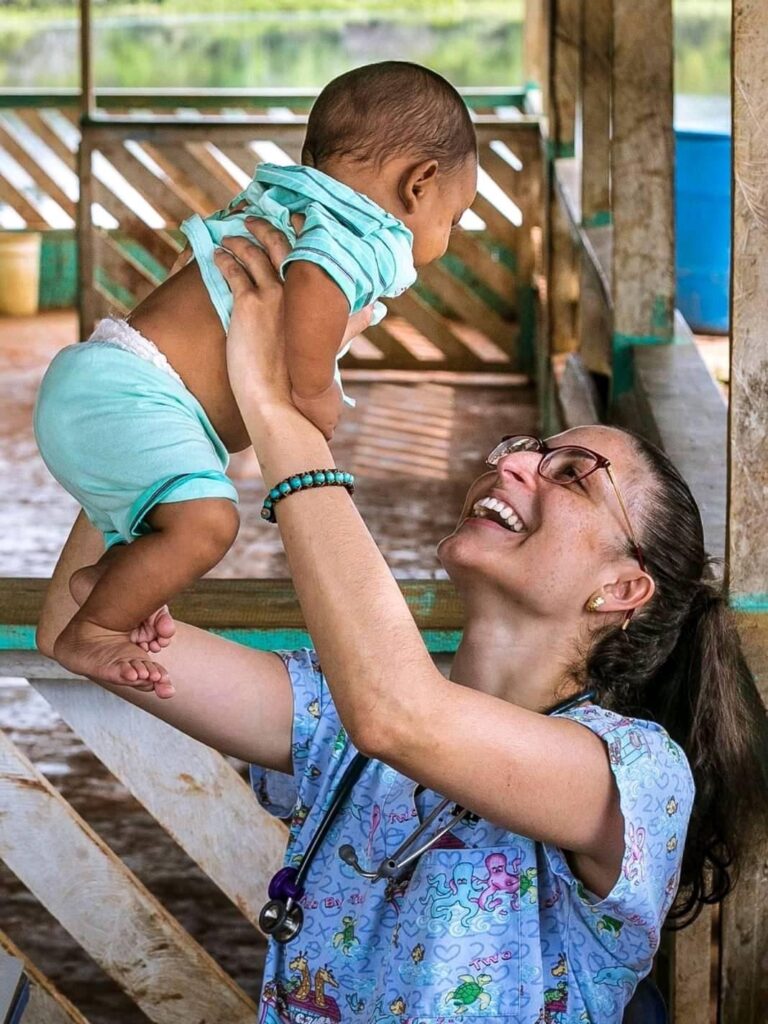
x,y
491,926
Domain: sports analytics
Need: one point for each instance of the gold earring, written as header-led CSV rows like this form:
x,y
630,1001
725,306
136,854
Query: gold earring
x,y
595,603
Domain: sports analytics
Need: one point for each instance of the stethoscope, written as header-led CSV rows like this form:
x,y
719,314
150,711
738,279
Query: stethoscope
x,y
282,917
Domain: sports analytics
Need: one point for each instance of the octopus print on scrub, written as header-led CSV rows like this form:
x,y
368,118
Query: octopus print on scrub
x,y
489,926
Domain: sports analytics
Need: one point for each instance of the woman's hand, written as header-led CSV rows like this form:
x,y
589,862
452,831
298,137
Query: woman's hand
x,y
256,341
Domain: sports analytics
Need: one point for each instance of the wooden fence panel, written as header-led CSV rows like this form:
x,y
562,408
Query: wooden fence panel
x,y
104,906
192,791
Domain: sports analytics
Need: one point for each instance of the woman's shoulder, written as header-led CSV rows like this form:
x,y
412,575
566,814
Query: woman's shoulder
x,y
635,745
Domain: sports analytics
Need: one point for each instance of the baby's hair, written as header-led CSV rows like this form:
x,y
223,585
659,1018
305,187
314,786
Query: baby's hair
x,y
393,107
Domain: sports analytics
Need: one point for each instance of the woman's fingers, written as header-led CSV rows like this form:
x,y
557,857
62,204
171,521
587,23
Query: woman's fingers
x,y
233,272
274,242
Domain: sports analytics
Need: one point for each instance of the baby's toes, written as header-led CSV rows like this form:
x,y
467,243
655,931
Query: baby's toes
x,y
141,670
165,689
127,673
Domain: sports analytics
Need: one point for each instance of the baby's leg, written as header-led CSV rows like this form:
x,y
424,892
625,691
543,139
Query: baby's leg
x,y
188,539
153,634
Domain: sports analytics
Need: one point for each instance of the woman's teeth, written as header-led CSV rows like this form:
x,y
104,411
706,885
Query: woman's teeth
x,y
504,514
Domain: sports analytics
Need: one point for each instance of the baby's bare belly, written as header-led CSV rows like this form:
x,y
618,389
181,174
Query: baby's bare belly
x,y
180,319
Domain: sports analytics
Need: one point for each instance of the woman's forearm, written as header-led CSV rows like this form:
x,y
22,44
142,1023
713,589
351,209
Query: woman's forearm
x,y
369,646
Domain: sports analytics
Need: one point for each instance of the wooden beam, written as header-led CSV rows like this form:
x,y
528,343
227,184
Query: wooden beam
x,y
566,44
191,790
46,1004
744,982
593,123
690,972
105,908
642,180
87,97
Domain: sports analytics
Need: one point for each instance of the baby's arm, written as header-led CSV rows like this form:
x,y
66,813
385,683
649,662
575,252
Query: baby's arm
x,y
316,315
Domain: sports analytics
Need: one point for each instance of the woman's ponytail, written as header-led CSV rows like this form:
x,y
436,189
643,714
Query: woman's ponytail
x,y
681,664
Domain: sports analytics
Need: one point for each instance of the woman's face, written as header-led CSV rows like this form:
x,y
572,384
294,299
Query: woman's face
x,y
561,544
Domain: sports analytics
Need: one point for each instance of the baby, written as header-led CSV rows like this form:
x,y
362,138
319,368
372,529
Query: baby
x,y
137,422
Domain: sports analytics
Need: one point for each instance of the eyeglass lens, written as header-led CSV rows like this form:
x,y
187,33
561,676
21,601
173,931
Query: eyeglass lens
x,y
563,466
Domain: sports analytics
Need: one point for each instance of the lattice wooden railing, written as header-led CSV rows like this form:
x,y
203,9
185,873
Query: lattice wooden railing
x,y
144,171
191,790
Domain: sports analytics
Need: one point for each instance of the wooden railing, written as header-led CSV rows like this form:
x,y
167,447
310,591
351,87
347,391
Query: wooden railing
x,y
192,791
143,169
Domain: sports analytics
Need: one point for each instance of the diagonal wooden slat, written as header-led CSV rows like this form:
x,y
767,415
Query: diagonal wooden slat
x,y
161,195
18,201
41,178
46,1004
36,122
104,906
242,156
462,300
502,229
183,166
208,160
124,269
434,327
191,790
474,255
159,244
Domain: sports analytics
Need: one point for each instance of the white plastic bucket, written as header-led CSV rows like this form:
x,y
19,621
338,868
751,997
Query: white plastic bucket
x,y
19,272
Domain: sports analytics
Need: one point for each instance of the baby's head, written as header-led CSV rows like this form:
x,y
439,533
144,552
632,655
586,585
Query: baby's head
x,y
402,135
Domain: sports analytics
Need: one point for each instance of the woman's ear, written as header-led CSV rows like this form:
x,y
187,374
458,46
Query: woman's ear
x,y
416,183
629,592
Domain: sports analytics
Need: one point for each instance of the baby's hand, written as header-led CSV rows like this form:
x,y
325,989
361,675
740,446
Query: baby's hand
x,y
324,409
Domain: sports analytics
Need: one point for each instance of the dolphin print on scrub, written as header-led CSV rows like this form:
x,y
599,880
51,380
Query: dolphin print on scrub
x,y
490,926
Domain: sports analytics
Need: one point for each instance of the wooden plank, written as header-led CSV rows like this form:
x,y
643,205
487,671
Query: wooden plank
x,y
642,181
593,140
86,242
41,178
496,275
187,187
18,201
46,1004
35,121
123,269
242,604
500,227
396,355
435,328
242,156
188,169
466,305
566,44
161,245
208,159
744,980
191,790
161,195
691,969
118,922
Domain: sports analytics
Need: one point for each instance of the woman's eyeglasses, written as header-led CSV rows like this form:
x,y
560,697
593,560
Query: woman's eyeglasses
x,y
565,466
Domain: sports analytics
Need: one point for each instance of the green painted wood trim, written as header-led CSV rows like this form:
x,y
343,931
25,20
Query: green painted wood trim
x,y
107,99
752,603
623,376
601,219
557,150
437,641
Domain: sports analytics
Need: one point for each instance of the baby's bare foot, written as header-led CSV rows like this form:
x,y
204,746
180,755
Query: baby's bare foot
x,y
155,632
152,635
91,650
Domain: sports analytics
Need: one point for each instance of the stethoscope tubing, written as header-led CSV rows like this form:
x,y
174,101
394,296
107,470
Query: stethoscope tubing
x,y
273,924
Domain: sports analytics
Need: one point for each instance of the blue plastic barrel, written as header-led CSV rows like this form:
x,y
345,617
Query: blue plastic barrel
x,y
703,215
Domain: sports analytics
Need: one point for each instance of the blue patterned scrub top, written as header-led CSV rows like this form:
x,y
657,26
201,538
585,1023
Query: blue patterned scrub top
x,y
491,926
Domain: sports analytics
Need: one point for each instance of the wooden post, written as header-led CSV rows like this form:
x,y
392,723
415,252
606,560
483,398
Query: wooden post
x,y
85,236
744,981
566,43
642,173
87,102
593,116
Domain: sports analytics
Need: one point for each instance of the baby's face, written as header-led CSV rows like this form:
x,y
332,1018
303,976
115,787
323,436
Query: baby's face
x,y
440,212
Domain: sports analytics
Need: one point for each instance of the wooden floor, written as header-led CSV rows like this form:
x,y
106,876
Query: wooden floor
x,y
413,446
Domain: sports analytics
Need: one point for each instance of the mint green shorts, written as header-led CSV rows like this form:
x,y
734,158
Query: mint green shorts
x,y
122,436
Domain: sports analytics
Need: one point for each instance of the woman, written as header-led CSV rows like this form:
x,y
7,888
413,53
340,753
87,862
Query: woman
x,y
582,572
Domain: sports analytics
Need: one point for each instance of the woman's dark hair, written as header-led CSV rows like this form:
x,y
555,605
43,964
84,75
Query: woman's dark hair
x,y
373,112
680,663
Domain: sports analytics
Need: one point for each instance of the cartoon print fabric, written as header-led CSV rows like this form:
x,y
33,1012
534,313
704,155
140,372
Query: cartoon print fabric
x,y
490,926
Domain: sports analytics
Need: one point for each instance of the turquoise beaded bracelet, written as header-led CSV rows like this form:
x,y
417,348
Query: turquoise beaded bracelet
x,y
304,482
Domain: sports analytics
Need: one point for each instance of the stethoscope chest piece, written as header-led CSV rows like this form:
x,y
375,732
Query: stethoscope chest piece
x,y
281,920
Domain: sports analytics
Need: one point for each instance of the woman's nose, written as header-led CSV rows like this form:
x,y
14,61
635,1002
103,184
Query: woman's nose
x,y
522,466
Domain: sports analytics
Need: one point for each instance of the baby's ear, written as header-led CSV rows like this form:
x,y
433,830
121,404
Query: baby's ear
x,y
417,182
